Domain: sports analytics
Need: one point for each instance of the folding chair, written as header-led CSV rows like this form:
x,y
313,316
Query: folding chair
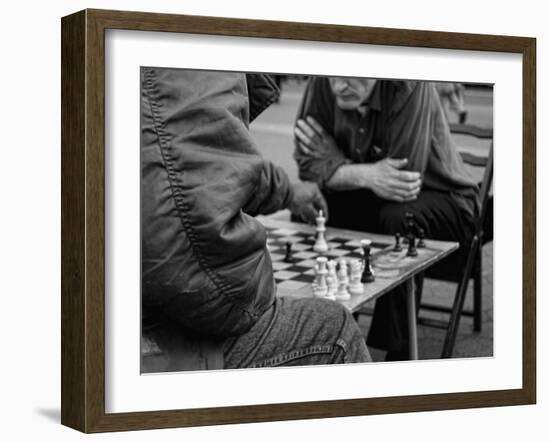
x,y
483,233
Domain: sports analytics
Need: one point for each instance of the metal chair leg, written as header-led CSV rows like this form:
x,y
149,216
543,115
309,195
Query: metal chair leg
x,y
478,291
458,303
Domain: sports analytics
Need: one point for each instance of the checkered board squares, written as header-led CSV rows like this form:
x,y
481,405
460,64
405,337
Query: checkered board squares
x,y
294,276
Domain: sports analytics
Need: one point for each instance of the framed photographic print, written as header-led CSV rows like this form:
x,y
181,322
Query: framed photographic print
x,y
267,221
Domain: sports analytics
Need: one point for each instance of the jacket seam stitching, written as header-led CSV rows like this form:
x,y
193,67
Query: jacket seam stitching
x,y
181,206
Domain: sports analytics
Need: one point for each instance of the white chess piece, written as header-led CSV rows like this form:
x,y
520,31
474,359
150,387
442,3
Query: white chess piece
x,y
320,245
332,281
355,285
342,293
320,288
343,271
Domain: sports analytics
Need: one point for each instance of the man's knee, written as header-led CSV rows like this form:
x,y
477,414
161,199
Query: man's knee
x,y
344,331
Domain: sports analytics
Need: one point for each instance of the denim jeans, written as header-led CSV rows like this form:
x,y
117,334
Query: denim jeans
x,y
298,332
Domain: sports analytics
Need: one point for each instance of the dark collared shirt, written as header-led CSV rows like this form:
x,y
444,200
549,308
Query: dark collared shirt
x,y
402,119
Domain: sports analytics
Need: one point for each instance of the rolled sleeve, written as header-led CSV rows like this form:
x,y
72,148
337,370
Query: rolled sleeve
x,y
319,169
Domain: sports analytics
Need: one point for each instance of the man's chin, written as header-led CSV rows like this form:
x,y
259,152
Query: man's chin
x,y
346,104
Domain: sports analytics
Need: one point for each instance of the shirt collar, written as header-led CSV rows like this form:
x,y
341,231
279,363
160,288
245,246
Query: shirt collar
x,y
374,101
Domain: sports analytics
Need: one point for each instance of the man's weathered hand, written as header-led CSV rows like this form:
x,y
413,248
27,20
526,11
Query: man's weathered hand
x,y
313,140
307,201
388,181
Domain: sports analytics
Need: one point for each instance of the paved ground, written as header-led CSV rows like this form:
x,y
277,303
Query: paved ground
x,y
273,132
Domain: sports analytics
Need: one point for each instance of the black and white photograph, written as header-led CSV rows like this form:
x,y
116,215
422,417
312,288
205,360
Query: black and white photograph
x,y
302,220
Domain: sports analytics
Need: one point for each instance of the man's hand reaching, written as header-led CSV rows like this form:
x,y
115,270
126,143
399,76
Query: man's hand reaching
x,y
307,201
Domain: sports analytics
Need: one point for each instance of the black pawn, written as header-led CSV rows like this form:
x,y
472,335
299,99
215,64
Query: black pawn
x,y
397,247
412,247
368,275
421,244
288,255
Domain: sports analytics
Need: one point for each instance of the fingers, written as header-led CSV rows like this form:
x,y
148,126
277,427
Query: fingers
x,y
304,149
316,126
307,131
302,136
407,186
398,163
404,175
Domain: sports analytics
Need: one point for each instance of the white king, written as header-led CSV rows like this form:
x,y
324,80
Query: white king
x,y
320,245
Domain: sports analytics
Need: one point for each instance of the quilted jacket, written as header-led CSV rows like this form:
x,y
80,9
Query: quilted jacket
x,y
205,265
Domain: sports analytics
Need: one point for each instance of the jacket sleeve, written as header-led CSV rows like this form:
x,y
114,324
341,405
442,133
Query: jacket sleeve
x,y
319,104
204,259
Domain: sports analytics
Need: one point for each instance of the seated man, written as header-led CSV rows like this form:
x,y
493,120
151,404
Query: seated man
x,y
378,149
208,292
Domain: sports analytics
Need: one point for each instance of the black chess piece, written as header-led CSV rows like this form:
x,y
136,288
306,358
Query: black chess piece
x,y
409,222
412,247
288,255
421,244
368,275
397,247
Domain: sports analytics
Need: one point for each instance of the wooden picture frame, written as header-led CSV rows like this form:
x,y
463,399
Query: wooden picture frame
x,y
83,220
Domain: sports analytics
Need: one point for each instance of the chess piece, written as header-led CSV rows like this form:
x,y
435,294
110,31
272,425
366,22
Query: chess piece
x,y
288,254
343,271
320,288
397,247
355,285
332,281
421,244
342,293
409,222
320,245
412,247
368,274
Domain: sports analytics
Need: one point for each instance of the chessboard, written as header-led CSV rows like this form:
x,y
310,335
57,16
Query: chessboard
x,y
296,275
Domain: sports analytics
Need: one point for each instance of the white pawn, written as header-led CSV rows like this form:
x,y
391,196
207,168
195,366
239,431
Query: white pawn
x,y
320,288
355,285
342,293
343,271
320,245
332,281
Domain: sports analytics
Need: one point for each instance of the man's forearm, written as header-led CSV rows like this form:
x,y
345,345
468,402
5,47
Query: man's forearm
x,y
350,177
